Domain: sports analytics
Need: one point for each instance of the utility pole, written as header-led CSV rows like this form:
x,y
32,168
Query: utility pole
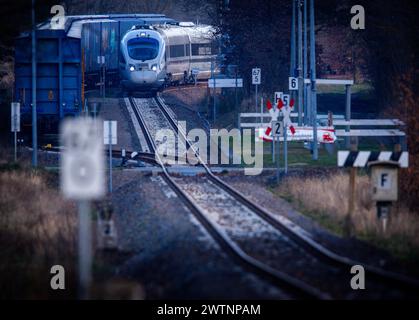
x,y
292,65
34,112
300,62
313,81
305,67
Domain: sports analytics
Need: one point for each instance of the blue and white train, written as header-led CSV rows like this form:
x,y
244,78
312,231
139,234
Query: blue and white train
x,y
153,57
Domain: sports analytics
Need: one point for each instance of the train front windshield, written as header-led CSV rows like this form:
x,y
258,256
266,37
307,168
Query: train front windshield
x,y
143,48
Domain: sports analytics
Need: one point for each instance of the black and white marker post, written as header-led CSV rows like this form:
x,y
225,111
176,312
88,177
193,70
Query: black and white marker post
x,y
256,81
15,125
82,179
277,132
110,138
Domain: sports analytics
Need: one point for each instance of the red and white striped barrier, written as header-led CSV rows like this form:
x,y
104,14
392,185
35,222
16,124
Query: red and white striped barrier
x,y
324,134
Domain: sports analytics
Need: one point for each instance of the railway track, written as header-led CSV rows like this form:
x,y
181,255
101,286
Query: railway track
x,y
261,242
294,286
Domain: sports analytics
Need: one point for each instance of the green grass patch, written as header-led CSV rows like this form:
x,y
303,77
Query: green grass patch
x,y
328,222
298,156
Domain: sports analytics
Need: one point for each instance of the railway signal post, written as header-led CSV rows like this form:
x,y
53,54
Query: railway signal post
x,y
313,86
82,179
256,80
286,112
300,62
277,132
110,138
15,124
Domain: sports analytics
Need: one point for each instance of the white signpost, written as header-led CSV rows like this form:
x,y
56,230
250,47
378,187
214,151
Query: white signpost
x,y
293,83
15,123
277,128
256,76
277,132
256,80
110,138
82,179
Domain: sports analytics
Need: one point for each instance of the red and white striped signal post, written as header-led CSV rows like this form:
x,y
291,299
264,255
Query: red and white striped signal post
x,y
285,108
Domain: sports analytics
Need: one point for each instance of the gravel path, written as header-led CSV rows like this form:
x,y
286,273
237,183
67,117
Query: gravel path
x,y
172,255
263,242
257,190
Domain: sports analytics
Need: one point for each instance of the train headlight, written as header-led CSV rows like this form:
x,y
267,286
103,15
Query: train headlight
x,y
132,68
154,67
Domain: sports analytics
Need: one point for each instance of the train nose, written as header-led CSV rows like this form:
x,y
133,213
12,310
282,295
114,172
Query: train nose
x,y
143,77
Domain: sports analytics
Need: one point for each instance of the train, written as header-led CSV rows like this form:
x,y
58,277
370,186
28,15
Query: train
x,y
68,64
153,57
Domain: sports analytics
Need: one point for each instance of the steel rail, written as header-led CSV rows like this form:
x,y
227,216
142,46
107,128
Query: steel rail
x,y
283,280
300,238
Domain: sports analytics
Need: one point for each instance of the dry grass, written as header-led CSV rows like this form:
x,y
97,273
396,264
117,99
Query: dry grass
x,y
326,200
37,230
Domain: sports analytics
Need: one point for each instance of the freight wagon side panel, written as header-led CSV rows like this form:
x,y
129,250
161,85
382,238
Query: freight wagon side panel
x,y
58,75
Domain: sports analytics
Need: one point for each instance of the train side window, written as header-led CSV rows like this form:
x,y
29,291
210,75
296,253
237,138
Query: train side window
x,y
201,49
177,51
188,50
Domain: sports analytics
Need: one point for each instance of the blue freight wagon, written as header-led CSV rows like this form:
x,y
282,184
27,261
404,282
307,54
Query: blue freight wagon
x,y
63,56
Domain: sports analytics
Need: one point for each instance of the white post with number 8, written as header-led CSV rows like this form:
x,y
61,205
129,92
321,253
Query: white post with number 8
x,y
82,179
82,161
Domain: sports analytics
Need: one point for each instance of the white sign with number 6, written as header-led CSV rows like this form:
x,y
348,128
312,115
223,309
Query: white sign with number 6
x,y
293,83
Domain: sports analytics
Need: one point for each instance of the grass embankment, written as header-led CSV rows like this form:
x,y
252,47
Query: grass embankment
x,y
37,231
325,199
